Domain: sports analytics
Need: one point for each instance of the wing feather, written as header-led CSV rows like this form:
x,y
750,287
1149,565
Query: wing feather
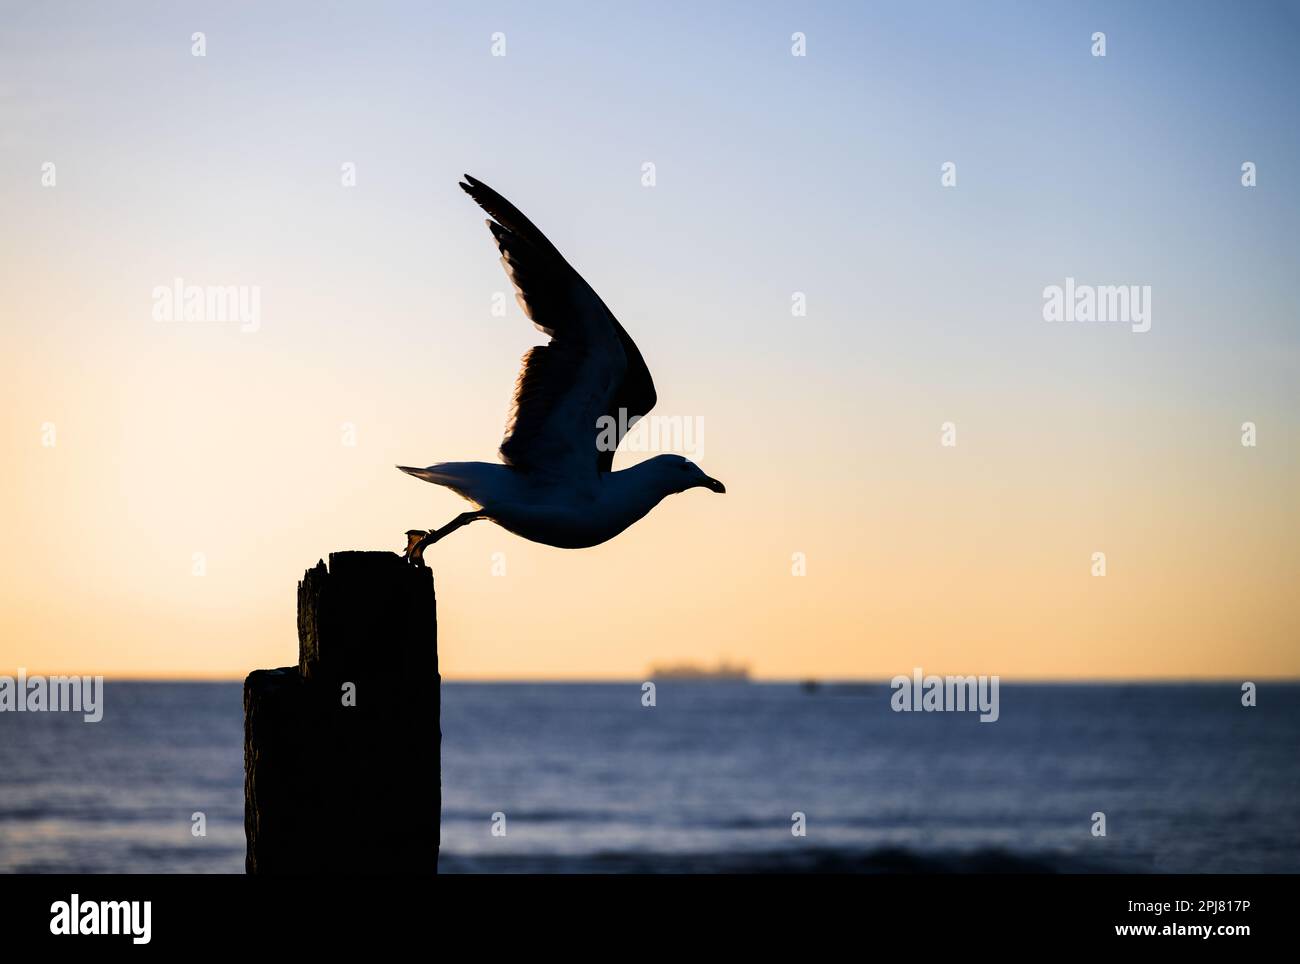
x,y
591,367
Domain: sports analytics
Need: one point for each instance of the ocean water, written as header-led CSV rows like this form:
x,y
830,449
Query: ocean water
x,y
588,778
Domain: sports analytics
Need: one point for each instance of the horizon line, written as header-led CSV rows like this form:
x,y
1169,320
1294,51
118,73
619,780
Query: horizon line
x,y
760,680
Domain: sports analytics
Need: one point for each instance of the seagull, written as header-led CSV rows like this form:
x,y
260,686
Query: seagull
x,y
555,484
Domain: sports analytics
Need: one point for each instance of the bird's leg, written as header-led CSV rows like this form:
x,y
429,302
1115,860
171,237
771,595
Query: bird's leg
x,y
464,519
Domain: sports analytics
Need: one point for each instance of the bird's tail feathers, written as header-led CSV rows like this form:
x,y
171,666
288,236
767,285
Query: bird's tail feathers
x,y
430,474
457,476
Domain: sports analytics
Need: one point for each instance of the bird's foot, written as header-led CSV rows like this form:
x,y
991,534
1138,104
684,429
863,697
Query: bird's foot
x,y
416,542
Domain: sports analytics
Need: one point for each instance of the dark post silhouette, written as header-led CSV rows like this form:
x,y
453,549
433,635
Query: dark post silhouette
x,y
342,753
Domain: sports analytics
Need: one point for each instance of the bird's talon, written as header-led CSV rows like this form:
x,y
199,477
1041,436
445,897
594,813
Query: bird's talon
x,y
416,542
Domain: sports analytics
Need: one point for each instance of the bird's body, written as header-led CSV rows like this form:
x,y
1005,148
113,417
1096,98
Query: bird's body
x,y
557,485
550,510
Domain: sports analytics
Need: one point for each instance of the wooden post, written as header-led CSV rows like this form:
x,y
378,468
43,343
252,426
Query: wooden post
x,y
342,753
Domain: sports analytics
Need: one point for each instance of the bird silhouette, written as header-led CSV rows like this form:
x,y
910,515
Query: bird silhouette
x,y
575,399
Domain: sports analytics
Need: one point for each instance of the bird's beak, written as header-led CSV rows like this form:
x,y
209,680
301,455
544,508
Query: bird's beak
x,y
715,486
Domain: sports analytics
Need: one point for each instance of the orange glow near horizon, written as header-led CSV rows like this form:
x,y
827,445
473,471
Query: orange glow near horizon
x,y
916,555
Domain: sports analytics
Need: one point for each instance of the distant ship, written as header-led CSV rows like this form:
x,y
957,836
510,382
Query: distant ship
x,y
724,672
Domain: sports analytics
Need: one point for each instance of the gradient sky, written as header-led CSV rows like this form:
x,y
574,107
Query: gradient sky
x,y
775,174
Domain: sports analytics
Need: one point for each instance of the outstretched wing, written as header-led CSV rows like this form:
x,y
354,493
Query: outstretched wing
x,y
590,368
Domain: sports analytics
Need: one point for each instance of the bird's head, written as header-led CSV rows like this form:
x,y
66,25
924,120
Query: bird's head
x,y
677,474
